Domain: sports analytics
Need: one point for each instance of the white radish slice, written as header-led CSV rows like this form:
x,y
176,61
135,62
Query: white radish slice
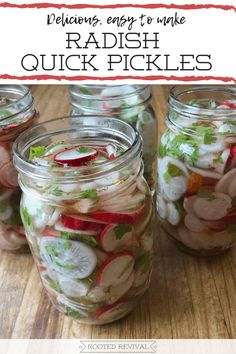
x,y
116,269
73,288
230,140
115,236
220,166
170,160
118,291
60,227
5,194
175,188
205,161
187,238
161,207
227,128
140,226
232,188
76,156
223,184
193,223
72,259
205,173
111,312
212,209
111,151
8,175
218,146
188,204
85,206
101,256
97,294
173,214
54,217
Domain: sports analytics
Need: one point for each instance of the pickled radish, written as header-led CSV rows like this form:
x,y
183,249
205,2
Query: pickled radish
x,y
173,214
223,185
115,236
77,222
214,209
119,218
116,269
120,290
8,175
193,223
73,259
60,227
161,207
110,312
176,188
73,288
76,156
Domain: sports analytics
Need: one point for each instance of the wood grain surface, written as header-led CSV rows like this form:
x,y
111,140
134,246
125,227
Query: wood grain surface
x,y
190,297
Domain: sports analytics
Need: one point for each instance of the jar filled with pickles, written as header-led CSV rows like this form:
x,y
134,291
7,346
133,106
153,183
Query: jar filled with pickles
x,y
17,113
197,169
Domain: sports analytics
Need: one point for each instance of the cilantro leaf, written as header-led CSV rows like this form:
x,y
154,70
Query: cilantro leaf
x,y
26,218
121,230
84,150
37,151
204,193
172,171
162,150
143,263
209,138
90,193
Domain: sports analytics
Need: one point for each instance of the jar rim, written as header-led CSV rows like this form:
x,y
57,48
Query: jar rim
x,y
188,110
20,89
73,90
26,139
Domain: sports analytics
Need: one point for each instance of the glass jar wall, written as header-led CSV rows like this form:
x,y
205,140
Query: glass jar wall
x,y
88,215
17,113
129,103
197,169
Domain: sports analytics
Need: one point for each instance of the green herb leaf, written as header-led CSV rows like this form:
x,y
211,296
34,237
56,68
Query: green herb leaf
x,y
85,91
162,150
26,218
204,193
125,269
194,103
209,138
72,313
55,285
172,171
37,151
184,148
84,150
121,230
143,263
89,194
218,160
88,239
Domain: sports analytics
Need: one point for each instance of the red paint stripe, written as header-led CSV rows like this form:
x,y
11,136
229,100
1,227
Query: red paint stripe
x,y
147,78
115,6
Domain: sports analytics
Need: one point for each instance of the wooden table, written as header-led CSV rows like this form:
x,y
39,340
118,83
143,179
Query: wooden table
x,y
189,298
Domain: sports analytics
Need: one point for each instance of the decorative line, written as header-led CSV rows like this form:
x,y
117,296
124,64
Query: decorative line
x,y
45,5
144,78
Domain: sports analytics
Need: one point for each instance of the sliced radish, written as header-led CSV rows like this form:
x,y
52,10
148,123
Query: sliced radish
x,y
54,217
97,294
173,214
115,236
50,232
220,166
227,104
188,203
101,256
230,218
116,292
119,218
111,151
212,209
175,188
218,146
60,227
116,269
147,239
193,223
231,162
8,175
205,161
76,156
161,207
232,188
16,238
205,173
72,259
111,312
223,184
78,222
73,288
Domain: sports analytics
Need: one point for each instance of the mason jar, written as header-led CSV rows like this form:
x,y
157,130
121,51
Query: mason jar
x,y
129,103
17,113
197,169
88,217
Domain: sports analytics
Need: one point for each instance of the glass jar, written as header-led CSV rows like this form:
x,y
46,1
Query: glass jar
x,y
129,103
196,169
88,218
17,113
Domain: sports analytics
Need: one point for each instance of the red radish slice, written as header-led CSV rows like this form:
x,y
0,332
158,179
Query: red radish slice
x,y
116,269
215,226
115,236
42,268
50,232
228,105
8,175
76,156
60,227
120,290
231,162
119,218
111,151
111,312
230,218
212,209
76,222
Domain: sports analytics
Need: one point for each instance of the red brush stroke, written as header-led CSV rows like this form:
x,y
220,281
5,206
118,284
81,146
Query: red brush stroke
x,y
115,6
147,78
